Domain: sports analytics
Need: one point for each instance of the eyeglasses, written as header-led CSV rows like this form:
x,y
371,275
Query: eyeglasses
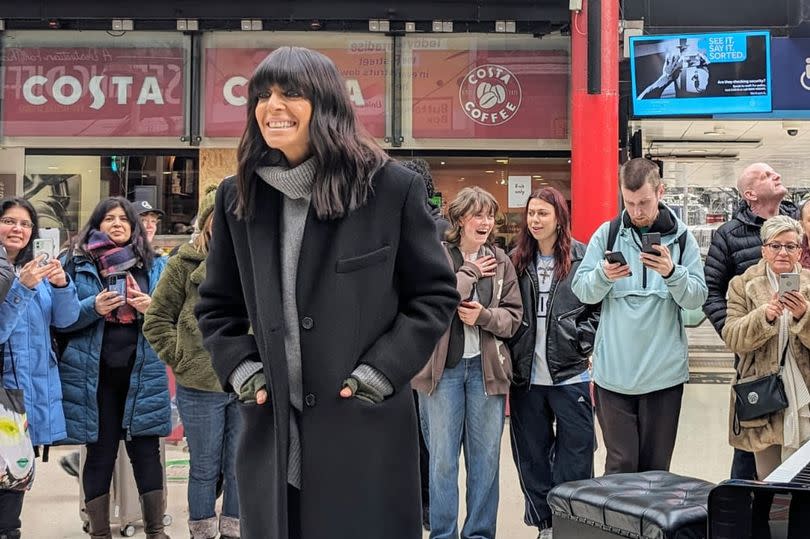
x,y
776,247
8,221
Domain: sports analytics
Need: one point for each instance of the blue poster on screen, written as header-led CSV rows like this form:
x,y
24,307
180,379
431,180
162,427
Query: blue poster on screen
x,y
701,74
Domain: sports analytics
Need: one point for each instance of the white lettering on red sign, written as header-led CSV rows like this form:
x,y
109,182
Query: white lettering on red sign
x,y
490,94
229,91
67,90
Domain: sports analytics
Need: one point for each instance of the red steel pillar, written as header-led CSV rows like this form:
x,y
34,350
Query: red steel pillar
x,y
594,123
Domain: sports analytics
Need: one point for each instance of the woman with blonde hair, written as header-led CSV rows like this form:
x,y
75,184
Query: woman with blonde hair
x,y
464,385
210,417
769,331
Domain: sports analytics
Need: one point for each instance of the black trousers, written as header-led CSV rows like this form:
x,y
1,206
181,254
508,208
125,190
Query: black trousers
x,y
639,430
143,451
546,456
11,502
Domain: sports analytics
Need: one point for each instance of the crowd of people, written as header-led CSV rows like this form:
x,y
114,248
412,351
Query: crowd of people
x,y
321,287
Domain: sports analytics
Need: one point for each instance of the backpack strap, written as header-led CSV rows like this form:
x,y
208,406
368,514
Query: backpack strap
x,y
613,233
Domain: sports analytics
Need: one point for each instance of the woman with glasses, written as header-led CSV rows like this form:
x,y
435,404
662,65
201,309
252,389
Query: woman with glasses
x,y
764,327
41,296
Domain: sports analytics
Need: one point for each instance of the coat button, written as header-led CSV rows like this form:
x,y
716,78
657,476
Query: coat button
x,y
307,322
310,400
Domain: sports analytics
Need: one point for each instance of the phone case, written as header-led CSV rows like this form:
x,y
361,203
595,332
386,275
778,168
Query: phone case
x,y
788,283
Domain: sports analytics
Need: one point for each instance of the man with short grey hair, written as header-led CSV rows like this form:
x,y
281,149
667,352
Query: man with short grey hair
x,y
735,247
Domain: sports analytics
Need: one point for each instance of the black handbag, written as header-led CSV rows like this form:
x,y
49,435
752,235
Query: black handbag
x,y
759,397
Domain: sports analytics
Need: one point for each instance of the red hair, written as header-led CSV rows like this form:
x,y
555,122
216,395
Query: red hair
x,y
526,249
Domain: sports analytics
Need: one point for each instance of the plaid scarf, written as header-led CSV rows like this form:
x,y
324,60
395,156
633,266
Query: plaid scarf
x,y
110,258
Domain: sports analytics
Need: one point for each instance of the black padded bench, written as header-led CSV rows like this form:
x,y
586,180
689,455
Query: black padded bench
x,y
648,505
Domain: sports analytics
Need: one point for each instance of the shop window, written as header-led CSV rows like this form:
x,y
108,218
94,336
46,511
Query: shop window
x,y
64,189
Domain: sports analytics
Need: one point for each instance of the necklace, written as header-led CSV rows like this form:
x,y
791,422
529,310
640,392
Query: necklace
x,y
544,269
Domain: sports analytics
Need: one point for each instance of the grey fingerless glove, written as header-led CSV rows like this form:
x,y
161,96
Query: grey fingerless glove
x,y
247,393
368,384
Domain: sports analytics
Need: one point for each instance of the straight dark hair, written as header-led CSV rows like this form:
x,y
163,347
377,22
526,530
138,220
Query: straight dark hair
x,y
526,249
143,250
346,157
27,254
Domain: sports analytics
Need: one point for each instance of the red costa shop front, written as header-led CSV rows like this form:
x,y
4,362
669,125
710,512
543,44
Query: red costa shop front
x,y
86,115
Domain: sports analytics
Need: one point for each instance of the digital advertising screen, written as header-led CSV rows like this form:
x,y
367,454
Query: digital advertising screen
x,y
701,74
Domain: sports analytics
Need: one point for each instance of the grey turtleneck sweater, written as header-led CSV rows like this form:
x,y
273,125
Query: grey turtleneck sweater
x,y
296,186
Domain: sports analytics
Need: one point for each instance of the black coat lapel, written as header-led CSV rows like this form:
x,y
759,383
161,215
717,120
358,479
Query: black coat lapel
x,y
264,234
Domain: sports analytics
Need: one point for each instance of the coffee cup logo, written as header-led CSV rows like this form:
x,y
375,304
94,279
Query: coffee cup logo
x,y
490,95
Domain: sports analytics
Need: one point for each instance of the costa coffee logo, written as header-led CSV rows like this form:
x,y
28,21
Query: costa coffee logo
x,y
490,95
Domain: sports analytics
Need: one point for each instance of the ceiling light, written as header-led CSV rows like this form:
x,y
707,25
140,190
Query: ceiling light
x,y
490,171
716,132
502,161
537,177
441,163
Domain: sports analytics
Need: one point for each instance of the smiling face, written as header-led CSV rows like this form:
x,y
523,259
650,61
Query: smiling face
x,y
541,219
283,117
116,225
476,227
15,230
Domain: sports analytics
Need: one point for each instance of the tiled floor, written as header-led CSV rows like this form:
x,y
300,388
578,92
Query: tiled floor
x,y
52,511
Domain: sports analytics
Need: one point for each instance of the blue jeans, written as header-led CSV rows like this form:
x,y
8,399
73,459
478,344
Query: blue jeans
x,y
545,456
460,413
212,425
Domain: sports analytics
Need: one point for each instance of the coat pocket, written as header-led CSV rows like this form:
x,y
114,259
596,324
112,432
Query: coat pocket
x,y
377,256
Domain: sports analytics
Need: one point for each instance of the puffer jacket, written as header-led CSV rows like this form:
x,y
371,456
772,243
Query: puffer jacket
x,y
498,321
170,326
736,246
749,335
29,362
570,326
147,411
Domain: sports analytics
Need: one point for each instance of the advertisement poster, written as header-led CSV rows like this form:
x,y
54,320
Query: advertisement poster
x,y
93,91
701,73
490,94
227,71
791,75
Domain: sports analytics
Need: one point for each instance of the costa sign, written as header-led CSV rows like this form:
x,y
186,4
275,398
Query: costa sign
x,y
228,70
93,91
490,94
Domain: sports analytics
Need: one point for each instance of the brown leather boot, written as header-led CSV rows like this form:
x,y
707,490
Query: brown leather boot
x,y
98,514
153,508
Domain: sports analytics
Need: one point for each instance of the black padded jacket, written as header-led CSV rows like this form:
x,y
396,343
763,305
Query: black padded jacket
x,y
571,326
735,247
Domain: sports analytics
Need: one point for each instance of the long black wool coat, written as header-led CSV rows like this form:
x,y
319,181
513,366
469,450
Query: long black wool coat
x,y
373,287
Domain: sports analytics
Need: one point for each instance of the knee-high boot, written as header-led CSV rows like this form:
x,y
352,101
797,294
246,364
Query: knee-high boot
x,y
98,514
153,508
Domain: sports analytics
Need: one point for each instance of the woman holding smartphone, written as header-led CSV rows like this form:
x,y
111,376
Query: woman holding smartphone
x,y
41,296
114,384
551,381
768,327
463,387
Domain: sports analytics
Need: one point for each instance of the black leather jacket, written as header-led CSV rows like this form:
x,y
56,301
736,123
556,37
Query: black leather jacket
x,y
571,326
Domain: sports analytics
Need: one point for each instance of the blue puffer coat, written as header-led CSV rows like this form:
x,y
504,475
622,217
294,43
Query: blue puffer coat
x,y
25,319
147,410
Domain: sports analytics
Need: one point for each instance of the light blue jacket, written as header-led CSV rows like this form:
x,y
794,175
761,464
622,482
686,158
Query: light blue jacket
x,y
641,345
26,316
147,411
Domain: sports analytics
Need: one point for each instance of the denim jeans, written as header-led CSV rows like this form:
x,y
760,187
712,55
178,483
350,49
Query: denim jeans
x,y
545,456
212,425
460,413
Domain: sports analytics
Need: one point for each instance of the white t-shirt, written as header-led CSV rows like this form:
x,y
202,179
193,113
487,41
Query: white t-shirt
x,y
545,274
472,334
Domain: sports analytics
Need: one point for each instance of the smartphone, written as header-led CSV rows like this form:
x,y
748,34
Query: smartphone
x,y
117,282
43,246
648,240
788,282
616,256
